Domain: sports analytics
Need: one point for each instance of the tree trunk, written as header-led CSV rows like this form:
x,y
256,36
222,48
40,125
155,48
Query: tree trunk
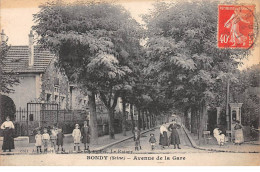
x,y
198,121
193,120
150,119
93,118
132,118
111,99
147,120
124,116
139,122
143,120
153,120
186,119
111,123
202,125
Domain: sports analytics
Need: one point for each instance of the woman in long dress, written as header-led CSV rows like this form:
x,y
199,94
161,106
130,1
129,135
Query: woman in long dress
x,y
174,138
8,132
236,37
239,136
163,141
219,137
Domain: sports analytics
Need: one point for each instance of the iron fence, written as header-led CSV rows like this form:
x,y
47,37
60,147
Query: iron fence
x,y
44,115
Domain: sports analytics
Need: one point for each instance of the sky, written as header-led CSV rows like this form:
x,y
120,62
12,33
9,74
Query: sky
x,y
17,22
17,19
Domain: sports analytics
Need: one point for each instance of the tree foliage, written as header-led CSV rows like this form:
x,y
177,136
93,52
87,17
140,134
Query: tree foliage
x,y
9,108
246,91
7,80
96,44
183,53
185,63
180,65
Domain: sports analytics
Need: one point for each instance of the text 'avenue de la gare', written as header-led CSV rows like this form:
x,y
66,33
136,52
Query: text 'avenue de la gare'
x,y
136,158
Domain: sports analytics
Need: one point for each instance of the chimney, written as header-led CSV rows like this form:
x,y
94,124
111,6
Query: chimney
x,y
31,49
3,36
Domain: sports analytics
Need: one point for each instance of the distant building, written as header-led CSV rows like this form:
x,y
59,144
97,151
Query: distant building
x,y
77,98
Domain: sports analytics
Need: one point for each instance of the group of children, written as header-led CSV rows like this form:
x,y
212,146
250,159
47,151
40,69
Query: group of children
x,y
43,140
56,137
137,136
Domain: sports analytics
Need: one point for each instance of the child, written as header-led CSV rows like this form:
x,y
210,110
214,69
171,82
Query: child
x,y
38,143
76,134
137,139
85,132
45,139
60,137
53,137
152,140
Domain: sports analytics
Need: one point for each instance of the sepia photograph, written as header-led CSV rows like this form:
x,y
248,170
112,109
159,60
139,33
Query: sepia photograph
x,y
130,83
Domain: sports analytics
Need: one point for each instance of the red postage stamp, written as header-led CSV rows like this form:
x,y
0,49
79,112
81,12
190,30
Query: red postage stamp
x,y
235,26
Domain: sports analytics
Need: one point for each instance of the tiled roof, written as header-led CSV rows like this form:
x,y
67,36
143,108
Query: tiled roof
x,y
17,60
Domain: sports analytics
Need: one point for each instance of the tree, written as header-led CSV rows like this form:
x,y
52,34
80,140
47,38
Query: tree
x,y
7,80
183,54
95,44
244,90
9,108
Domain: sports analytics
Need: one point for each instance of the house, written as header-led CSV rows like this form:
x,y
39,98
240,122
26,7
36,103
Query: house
x,y
43,88
40,80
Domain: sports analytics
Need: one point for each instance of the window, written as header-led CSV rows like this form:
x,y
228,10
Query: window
x,y
80,102
56,99
31,117
62,104
48,98
56,81
234,115
56,89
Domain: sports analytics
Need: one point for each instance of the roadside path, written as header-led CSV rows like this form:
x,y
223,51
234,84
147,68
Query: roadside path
x,y
128,145
103,142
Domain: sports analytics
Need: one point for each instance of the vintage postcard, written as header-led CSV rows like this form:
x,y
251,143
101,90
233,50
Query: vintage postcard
x,y
129,83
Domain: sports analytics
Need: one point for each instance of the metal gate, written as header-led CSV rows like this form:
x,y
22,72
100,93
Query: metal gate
x,y
41,115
